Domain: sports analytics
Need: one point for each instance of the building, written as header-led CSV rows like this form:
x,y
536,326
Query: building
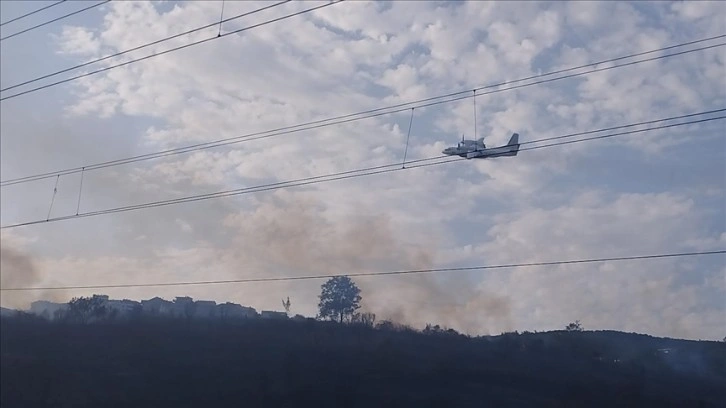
x,y
124,306
181,307
225,310
205,308
48,310
271,314
7,312
157,305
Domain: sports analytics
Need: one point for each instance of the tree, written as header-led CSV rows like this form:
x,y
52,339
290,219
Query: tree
x,y
339,299
84,309
436,329
365,319
368,319
187,305
574,326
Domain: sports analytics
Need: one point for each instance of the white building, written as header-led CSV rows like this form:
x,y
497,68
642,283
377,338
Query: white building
x,y
7,312
233,310
123,306
48,310
181,307
271,314
157,306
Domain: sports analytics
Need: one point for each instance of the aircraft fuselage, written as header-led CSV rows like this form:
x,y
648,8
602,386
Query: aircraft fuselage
x,y
470,149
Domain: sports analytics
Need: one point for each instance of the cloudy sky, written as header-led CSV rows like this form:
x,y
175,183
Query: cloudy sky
x,y
647,193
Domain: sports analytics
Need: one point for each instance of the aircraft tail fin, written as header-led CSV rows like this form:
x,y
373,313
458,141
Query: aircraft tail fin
x,y
513,145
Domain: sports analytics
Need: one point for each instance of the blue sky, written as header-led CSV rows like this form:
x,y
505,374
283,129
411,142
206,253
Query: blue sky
x,y
654,192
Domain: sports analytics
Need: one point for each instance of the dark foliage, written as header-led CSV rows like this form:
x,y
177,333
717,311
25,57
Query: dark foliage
x,y
307,363
576,326
86,310
339,299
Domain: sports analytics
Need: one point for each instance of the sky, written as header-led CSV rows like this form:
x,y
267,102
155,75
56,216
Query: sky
x,y
655,192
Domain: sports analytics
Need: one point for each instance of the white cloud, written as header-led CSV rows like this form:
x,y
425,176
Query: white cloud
x,y
78,41
184,226
699,10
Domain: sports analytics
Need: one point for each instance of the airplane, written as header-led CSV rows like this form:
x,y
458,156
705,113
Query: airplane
x,y
476,149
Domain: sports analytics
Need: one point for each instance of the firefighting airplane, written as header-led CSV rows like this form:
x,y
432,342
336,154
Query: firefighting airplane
x,y
476,149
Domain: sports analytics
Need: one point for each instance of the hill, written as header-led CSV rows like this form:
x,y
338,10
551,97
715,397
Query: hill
x,y
285,363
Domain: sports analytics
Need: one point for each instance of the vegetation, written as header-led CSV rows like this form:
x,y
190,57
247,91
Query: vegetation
x,y
339,299
154,361
576,326
92,356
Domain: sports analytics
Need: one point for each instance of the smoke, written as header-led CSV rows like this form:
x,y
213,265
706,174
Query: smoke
x,y
20,269
16,269
291,235
423,299
287,234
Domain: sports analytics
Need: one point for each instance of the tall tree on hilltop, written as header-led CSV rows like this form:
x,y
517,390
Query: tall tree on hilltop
x,y
339,299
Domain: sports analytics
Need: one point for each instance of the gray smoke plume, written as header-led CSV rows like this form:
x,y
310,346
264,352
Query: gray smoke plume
x,y
291,236
20,269
422,299
16,269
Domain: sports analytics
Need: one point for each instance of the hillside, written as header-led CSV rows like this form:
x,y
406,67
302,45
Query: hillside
x,y
165,362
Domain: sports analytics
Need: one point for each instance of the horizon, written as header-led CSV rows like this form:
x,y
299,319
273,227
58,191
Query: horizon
x,y
292,315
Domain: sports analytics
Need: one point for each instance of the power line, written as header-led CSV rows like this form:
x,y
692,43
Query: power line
x,y
313,125
384,273
170,50
381,169
431,101
144,45
343,119
328,177
242,15
54,20
648,122
32,12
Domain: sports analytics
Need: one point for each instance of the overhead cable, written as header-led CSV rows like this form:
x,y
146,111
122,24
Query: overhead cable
x,y
388,168
54,20
181,47
426,102
32,12
376,274
238,16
